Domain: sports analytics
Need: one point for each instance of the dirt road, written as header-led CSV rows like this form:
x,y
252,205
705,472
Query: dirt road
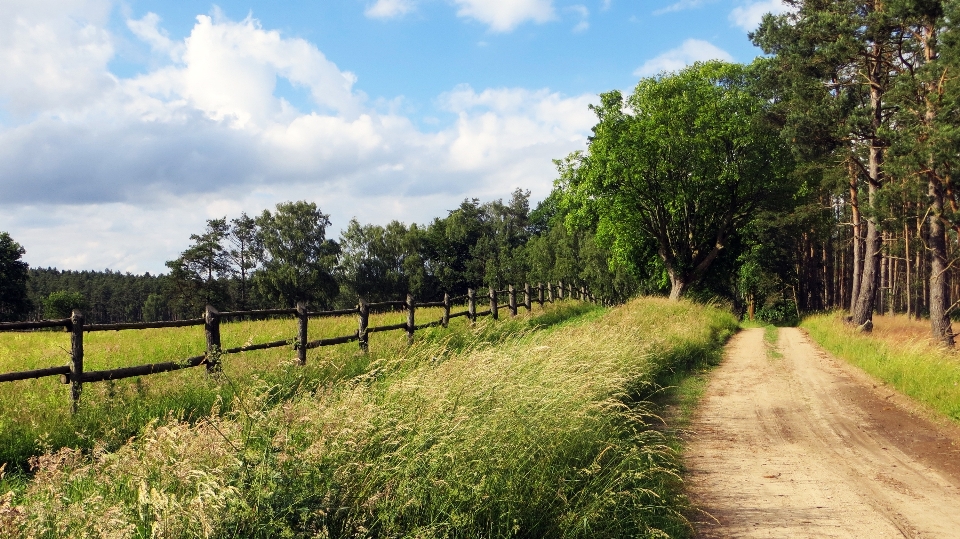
x,y
806,446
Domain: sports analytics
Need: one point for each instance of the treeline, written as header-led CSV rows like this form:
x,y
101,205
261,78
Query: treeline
x,y
283,256
869,96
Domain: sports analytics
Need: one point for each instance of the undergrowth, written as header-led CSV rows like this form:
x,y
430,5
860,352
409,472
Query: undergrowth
x,y
484,432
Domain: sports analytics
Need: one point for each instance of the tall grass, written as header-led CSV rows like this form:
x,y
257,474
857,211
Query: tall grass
x,y
35,414
913,366
478,432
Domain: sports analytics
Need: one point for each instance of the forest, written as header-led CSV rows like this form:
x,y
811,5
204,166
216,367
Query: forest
x,y
817,177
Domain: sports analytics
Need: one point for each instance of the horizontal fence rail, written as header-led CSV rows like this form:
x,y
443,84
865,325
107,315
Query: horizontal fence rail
x,y
74,375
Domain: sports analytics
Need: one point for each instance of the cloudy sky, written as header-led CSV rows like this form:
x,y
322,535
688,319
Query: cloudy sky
x,y
124,125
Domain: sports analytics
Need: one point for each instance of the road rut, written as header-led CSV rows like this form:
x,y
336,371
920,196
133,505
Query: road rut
x,y
806,446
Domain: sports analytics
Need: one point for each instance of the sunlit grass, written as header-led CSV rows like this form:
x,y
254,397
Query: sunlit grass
x,y
497,430
899,353
35,414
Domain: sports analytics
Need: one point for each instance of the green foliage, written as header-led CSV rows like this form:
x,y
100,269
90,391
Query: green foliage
x,y
61,304
678,169
14,303
299,260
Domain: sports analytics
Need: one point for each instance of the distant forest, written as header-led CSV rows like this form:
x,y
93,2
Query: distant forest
x,y
283,256
819,176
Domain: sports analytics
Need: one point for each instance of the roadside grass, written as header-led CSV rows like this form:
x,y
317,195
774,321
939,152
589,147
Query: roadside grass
x,y
914,366
35,414
498,433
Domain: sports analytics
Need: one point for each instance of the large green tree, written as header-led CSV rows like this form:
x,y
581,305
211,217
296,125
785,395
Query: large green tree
x,y
679,167
14,303
299,260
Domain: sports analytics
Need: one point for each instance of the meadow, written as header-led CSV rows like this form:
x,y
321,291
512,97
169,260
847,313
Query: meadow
x,y
35,414
898,352
519,428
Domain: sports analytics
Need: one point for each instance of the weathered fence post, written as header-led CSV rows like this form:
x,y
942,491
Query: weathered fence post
x,y
411,320
301,333
549,291
471,305
560,290
493,303
364,314
211,327
526,296
445,321
513,299
540,294
76,358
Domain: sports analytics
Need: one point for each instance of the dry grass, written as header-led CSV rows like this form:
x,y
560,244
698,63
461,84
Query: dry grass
x,y
532,434
899,352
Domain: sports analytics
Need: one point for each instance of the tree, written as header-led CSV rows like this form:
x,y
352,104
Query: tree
x,y
14,303
200,273
922,152
299,260
678,168
837,61
244,253
60,304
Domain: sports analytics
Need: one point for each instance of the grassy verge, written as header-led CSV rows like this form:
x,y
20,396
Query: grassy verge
x,y
530,434
35,414
912,366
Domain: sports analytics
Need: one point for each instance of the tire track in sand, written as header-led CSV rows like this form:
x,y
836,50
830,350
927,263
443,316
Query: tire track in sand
x,y
805,446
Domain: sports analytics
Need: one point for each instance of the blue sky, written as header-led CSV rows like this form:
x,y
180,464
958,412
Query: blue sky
x,y
124,125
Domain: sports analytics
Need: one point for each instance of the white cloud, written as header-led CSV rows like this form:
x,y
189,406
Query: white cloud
x,y
682,5
57,61
117,172
146,29
691,51
505,15
749,16
388,9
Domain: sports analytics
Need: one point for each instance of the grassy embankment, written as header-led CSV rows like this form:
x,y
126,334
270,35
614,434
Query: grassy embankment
x,y
898,352
529,434
35,414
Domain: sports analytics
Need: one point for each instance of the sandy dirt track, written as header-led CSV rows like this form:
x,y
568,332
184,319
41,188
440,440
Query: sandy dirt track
x,y
806,446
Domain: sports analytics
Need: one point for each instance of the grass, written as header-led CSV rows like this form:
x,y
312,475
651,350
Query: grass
x,y
900,353
36,416
479,432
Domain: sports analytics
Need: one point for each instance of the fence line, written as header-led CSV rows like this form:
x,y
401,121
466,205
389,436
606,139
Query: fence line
x,y
73,373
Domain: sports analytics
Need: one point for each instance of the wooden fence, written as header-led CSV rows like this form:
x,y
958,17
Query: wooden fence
x,y
75,375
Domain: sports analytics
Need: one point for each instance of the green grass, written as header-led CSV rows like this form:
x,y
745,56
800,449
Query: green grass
x,y
35,414
915,368
489,431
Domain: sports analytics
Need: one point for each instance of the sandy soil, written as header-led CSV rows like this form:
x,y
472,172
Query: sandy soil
x,y
807,446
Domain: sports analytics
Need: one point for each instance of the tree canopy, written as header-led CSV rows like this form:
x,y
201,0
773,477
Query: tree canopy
x,y
678,168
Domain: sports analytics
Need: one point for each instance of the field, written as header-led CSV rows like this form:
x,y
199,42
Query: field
x,y
36,413
899,352
519,428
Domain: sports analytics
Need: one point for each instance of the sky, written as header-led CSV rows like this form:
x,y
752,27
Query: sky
x,y
125,125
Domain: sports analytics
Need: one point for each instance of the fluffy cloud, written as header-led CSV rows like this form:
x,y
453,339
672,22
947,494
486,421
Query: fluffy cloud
x,y
387,9
57,61
692,50
101,171
505,15
749,16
